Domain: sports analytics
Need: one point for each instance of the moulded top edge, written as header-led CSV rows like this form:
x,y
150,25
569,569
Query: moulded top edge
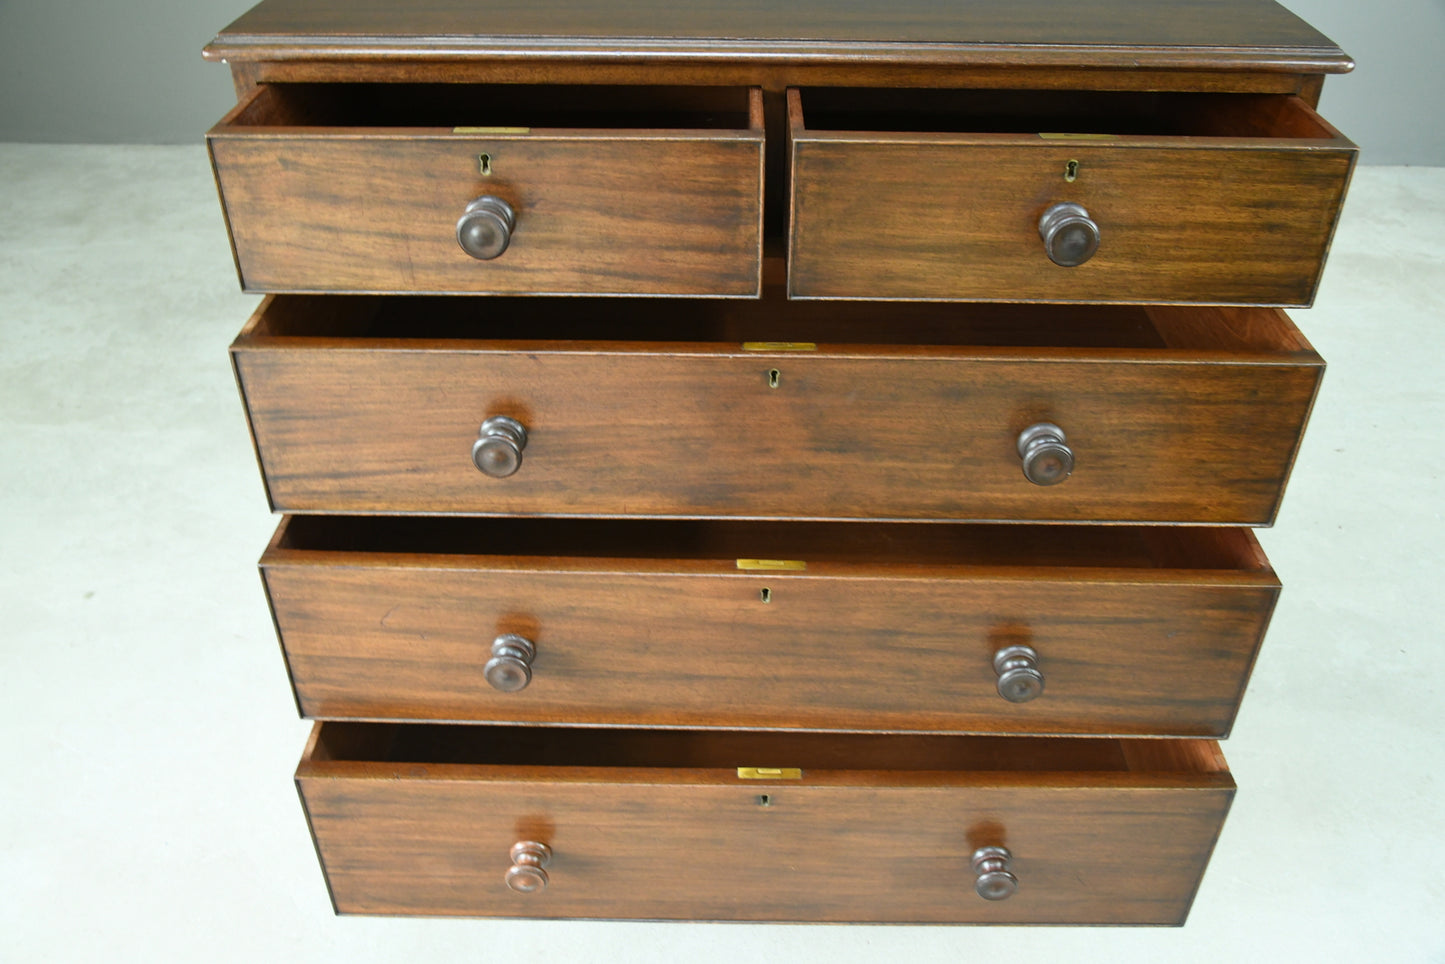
x,y
1186,34
1296,60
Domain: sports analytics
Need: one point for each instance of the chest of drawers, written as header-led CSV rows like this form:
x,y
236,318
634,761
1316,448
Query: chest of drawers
x,y
773,462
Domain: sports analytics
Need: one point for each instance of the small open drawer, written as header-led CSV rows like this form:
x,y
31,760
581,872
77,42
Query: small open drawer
x,y
496,821
458,188
1103,630
1061,196
775,409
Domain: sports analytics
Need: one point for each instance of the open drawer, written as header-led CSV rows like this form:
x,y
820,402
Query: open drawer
x,y
1061,196
496,821
775,409
565,190
966,629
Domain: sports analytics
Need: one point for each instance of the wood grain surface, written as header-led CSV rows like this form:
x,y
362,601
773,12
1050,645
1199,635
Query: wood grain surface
x,y
852,431
671,437
897,632
1238,207
1104,844
316,205
1131,34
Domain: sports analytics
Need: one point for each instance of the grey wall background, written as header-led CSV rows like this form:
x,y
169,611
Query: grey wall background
x,y
100,71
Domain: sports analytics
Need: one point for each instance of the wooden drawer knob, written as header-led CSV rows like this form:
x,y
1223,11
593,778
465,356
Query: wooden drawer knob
x,y
1047,460
498,452
1070,236
994,882
1019,679
528,873
510,668
485,227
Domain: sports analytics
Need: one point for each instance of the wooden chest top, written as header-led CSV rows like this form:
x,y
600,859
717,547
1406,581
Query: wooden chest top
x,y
1211,34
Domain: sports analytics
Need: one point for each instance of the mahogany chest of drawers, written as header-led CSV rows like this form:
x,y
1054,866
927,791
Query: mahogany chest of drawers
x,y
779,461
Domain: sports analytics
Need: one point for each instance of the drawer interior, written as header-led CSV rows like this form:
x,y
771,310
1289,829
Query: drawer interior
x,y
494,106
1146,114
646,321
712,749
884,544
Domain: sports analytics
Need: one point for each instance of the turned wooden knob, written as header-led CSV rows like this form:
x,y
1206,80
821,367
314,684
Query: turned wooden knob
x,y
510,668
485,227
1070,236
498,450
994,882
1019,679
528,873
1047,460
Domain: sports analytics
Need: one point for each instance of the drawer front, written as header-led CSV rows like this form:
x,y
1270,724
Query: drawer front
x,y
704,845
595,211
896,433
873,645
1217,220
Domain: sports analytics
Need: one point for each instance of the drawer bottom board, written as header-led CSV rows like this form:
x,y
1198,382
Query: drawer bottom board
x,y
423,820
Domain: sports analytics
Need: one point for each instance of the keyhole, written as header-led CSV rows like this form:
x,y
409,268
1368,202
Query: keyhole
x,y
484,164
765,800
765,594
1071,171
774,376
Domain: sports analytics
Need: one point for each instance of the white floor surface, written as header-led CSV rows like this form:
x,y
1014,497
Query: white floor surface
x,y
147,734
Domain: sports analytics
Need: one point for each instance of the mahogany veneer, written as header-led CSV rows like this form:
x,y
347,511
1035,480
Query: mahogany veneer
x,y
876,557
1176,416
1199,198
614,192
659,826
888,628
